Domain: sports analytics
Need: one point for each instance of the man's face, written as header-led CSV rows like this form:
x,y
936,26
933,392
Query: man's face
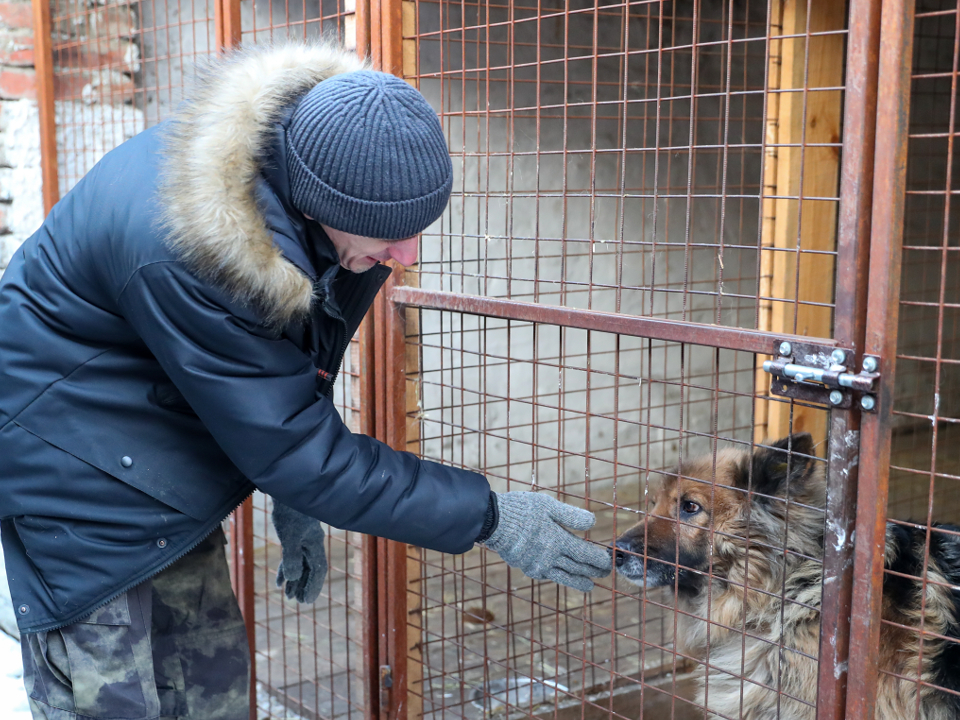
x,y
358,254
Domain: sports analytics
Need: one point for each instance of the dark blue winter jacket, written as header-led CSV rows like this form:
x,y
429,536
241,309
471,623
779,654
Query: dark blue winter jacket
x,y
168,339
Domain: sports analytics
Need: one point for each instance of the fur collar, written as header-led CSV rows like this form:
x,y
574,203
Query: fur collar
x,y
213,147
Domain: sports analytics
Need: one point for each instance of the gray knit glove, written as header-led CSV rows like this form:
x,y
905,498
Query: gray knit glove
x,y
531,535
304,562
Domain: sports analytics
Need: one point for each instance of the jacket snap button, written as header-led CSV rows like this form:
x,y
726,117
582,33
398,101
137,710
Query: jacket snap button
x,y
126,461
23,609
161,543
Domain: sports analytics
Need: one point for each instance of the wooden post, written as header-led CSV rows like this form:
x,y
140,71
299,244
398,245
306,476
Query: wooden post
x,y
793,274
769,207
43,64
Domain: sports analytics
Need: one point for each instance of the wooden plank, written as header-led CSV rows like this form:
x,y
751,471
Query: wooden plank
x,y
408,23
769,210
807,114
43,64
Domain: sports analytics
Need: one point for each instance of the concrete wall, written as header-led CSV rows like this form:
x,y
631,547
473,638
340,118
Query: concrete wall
x,y
538,215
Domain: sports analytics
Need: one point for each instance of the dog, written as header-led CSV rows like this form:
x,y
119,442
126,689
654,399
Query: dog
x,y
739,540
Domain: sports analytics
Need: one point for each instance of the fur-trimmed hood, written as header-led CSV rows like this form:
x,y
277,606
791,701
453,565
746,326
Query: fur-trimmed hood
x,y
214,145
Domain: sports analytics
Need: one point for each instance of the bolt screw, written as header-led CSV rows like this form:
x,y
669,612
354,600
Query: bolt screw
x,y
836,397
839,357
868,402
870,364
785,348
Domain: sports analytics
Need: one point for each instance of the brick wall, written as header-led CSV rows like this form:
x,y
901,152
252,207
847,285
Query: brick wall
x,y
98,72
21,205
97,61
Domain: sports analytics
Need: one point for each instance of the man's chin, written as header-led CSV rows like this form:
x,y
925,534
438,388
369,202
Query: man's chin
x,y
361,265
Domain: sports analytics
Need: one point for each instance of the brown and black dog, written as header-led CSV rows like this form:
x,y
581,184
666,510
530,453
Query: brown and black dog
x,y
740,542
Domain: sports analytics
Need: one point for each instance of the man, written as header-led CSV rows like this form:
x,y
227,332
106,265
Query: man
x,y
169,340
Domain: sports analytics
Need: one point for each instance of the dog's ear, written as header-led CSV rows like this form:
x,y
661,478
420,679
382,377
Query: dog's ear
x,y
781,468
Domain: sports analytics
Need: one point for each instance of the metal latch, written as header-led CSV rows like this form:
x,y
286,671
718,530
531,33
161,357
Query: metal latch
x,y
386,682
818,374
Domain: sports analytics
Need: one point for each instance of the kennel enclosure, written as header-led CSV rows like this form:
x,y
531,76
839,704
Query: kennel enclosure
x,y
663,212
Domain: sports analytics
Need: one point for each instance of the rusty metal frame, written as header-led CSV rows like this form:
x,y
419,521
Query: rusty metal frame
x,y
892,126
227,37
390,681
729,338
853,232
390,424
875,57
226,18
43,63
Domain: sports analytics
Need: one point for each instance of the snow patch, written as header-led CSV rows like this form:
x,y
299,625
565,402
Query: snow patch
x,y
13,698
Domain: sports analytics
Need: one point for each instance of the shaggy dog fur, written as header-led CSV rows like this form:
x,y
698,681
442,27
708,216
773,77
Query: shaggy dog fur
x,y
758,531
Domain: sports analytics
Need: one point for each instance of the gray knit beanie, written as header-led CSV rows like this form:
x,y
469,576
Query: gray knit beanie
x,y
366,155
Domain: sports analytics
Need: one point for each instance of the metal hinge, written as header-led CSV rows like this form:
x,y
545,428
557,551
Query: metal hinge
x,y
818,374
386,682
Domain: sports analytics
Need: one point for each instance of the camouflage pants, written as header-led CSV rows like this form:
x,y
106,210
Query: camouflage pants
x,y
173,647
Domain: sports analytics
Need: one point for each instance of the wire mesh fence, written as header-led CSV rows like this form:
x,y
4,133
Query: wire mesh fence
x,y
675,160
924,505
667,160
589,417
121,67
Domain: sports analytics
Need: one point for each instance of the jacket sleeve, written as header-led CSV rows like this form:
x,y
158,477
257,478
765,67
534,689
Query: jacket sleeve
x,y
255,392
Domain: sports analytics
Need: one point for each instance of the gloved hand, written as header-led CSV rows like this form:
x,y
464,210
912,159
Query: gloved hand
x,y
531,536
304,562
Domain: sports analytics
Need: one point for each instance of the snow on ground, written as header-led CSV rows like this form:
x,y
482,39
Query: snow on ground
x,y
271,708
13,698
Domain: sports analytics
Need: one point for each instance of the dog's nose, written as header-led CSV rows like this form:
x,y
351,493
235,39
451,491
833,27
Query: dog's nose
x,y
618,557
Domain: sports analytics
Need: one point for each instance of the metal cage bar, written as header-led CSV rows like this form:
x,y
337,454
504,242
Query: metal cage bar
x,y
880,340
648,197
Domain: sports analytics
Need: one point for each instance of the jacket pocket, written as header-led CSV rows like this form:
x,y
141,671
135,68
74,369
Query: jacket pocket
x,y
164,482
97,667
167,396
104,415
115,612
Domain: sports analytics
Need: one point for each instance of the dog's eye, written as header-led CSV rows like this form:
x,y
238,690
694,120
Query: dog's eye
x,y
689,507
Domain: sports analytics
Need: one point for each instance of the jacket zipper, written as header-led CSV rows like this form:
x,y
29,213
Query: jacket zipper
x,y
343,347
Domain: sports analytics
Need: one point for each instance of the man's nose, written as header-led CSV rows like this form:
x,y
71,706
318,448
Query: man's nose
x,y
405,251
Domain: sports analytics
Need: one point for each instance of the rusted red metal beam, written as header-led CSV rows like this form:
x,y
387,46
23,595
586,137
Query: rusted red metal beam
x,y
370,576
226,22
730,338
363,28
43,64
391,428
893,113
241,557
853,235
386,52
227,35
